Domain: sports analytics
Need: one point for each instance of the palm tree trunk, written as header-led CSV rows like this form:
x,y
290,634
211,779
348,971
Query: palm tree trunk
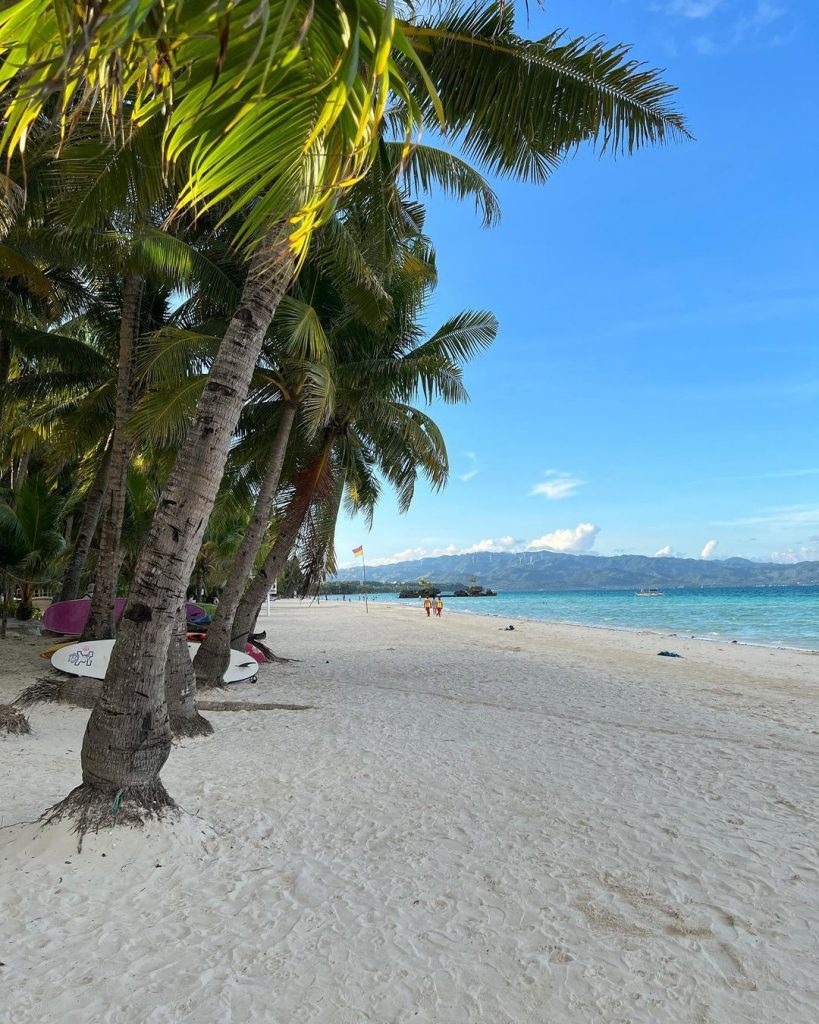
x,y
22,470
5,370
128,737
85,534
4,597
180,686
298,508
251,603
213,657
25,608
100,625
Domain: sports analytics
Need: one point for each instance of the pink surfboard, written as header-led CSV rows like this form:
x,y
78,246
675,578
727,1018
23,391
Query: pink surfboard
x,y
70,617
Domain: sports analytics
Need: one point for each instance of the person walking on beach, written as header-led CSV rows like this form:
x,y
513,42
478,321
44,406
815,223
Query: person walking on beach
x,y
439,607
427,605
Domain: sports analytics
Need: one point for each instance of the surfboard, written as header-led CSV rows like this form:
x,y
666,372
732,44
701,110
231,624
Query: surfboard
x,y
54,647
255,653
250,649
90,658
70,617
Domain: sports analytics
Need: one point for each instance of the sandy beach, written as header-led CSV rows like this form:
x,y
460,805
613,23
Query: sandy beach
x,y
540,826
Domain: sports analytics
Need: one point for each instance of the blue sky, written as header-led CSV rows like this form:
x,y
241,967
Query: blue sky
x,y
655,383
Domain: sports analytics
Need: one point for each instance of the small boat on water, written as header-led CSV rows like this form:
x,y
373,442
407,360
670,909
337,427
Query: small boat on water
x,y
650,592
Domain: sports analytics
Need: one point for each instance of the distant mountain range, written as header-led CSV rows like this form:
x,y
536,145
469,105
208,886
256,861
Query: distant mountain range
x,y
549,570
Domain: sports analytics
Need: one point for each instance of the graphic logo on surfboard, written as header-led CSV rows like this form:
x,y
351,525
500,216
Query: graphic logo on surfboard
x,y
83,656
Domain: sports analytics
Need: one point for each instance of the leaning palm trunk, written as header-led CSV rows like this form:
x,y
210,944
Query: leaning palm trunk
x,y
85,533
258,588
128,737
5,370
180,686
213,657
4,597
100,625
308,485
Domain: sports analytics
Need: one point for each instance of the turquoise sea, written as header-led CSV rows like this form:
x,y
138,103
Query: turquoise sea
x,y
771,616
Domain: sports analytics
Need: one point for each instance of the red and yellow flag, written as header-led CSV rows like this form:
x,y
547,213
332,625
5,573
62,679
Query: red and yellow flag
x,y
359,551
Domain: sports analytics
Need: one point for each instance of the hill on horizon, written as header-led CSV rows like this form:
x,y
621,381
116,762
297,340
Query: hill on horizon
x,y
551,570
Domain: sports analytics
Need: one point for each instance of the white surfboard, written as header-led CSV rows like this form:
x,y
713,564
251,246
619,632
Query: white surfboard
x,y
91,659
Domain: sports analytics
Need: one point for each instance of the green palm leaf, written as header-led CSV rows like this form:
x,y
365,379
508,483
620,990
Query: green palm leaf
x,y
516,105
425,167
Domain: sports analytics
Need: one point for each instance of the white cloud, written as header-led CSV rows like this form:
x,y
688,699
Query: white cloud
x,y
708,550
753,29
581,538
664,552
411,554
782,517
557,485
470,474
498,544
693,8
803,553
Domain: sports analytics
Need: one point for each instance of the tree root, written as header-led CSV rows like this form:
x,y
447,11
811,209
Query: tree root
x,y
93,809
59,689
209,686
43,691
249,705
190,725
13,722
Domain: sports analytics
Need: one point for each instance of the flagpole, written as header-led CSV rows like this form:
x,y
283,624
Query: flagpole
x,y
364,574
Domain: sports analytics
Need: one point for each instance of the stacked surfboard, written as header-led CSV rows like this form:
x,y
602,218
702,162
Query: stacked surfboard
x,y
90,658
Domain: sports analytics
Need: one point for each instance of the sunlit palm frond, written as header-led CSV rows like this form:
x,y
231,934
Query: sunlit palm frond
x,y
516,105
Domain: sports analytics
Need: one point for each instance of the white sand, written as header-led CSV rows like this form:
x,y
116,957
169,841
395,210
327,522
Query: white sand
x,y
545,826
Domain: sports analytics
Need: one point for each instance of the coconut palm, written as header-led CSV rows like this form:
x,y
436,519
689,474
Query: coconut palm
x,y
378,374
31,537
277,124
353,273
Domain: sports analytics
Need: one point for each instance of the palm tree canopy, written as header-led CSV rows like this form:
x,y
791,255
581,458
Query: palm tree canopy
x,y
516,105
30,537
271,107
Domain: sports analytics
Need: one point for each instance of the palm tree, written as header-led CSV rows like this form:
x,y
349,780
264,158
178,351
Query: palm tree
x,y
30,538
352,272
276,125
374,426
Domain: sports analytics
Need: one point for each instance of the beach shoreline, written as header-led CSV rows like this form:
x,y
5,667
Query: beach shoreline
x,y
472,606
469,824
666,634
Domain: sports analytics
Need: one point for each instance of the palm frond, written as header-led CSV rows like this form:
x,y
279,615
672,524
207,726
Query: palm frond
x,y
461,338
425,167
163,415
517,106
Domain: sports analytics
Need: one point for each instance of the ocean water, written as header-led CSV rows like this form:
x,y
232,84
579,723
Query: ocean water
x,y
771,616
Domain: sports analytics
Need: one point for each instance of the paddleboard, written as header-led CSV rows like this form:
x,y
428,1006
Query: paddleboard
x,y
70,617
91,659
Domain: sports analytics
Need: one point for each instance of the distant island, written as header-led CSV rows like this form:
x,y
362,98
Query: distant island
x,y
549,570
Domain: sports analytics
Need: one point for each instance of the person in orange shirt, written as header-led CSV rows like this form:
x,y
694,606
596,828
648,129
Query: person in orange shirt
x,y
427,606
439,607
